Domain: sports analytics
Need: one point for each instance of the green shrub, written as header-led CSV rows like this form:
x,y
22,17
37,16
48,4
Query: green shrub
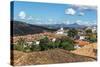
x,y
67,43
72,33
88,31
50,45
92,39
44,43
57,43
34,47
21,45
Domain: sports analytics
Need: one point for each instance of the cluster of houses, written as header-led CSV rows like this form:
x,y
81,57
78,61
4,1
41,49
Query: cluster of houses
x,y
60,31
80,38
94,29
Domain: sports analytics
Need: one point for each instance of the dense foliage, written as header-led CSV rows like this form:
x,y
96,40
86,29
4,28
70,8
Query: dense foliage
x,y
72,33
44,44
92,37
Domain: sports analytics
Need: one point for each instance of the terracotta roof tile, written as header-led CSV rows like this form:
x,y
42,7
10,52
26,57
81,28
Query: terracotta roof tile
x,y
81,43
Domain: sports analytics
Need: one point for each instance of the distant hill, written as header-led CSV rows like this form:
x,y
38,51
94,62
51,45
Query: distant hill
x,y
22,28
75,25
57,26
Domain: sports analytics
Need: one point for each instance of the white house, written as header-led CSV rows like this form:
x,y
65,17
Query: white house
x,y
82,37
94,29
37,42
60,31
77,46
54,39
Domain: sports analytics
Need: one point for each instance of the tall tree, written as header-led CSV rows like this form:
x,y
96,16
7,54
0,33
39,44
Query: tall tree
x,y
72,33
88,31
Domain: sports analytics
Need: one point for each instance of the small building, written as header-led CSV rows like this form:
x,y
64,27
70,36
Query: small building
x,y
82,37
81,43
60,31
79,37
82,32
94,29
54,39
76,46
37,42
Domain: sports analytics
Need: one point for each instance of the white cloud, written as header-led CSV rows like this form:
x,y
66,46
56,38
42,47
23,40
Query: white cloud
x,y
88,7
50,20
79,21
70,11
87,23
38,19
22,15
66,22
81,7
30,18
81,13
39,22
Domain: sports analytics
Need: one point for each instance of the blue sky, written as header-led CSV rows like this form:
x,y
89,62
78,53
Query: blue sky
x,y
47,13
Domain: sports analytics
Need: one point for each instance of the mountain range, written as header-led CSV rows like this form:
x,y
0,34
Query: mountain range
x,y
23,28
65,26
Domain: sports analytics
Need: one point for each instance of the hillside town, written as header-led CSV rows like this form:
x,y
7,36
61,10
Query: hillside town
x,y
82,46
48,33
79,38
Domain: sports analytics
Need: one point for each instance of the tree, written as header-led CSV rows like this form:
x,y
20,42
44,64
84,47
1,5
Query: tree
x,y
21,45
72,33
91,38
67,43
88,31
44,43
35,47
63,42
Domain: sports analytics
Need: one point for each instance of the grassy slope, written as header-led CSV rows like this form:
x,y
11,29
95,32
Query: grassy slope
x,y
87,50
47,57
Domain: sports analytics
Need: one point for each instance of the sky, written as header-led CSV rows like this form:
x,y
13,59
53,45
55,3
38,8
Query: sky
x,y
50,13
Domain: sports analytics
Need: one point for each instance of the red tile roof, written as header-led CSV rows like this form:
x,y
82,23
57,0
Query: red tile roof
x,y
81,43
